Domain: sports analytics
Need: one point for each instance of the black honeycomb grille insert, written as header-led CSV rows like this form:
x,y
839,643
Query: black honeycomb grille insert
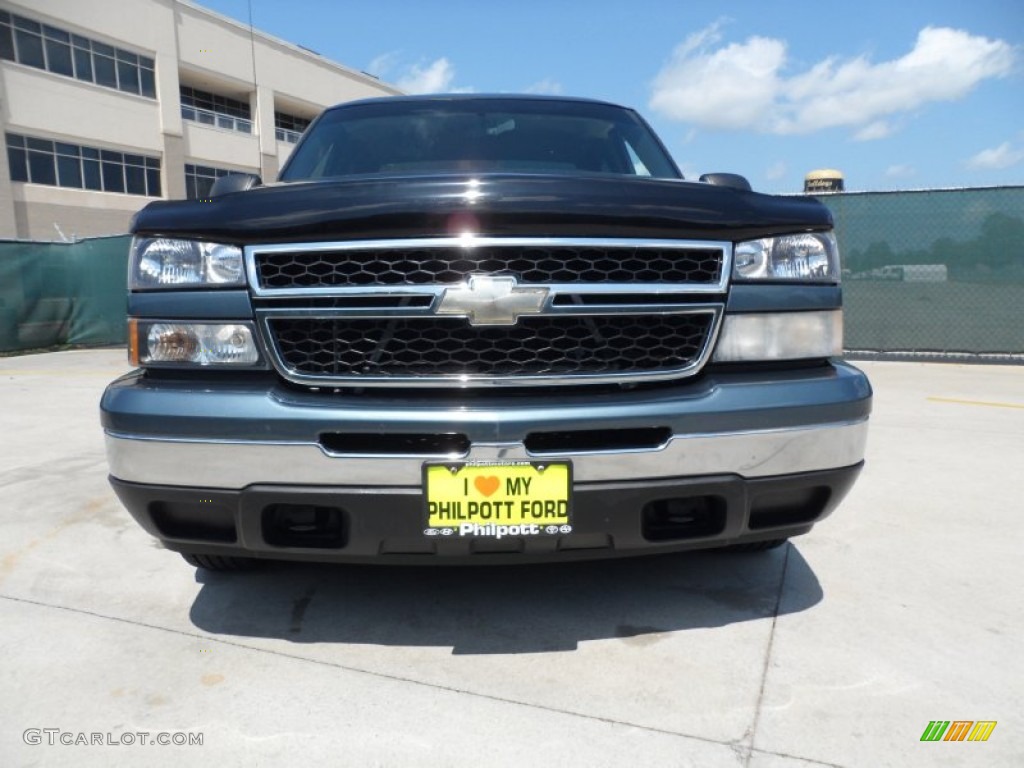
x,y
452,265
535,346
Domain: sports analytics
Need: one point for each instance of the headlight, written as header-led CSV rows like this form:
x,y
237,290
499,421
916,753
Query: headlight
x,y
810,257
192,343
780,336
158,262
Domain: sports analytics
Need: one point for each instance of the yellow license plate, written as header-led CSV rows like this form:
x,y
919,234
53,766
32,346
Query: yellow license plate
x,y
524,498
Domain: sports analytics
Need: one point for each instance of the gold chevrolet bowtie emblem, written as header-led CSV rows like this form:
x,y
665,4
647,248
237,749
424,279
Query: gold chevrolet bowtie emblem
x,y
487,300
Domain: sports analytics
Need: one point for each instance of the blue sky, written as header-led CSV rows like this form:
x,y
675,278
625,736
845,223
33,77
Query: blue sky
x,y
898,94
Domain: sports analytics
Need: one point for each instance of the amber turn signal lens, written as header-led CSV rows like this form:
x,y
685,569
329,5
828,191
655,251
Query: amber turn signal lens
x,y
133,342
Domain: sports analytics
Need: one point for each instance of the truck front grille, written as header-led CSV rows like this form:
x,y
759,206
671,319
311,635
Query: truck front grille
x,y
401,348
489,311
556,263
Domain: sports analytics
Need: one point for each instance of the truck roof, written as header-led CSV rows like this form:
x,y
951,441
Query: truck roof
x,y
470,97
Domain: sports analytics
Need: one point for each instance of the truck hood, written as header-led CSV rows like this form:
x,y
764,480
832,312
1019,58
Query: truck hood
x,y
425,206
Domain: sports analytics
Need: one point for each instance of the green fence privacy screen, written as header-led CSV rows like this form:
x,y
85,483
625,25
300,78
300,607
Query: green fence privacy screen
x,y
925,274
937,273
63,293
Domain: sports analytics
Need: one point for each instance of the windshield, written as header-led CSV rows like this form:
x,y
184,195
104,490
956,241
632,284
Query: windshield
x,y
482,135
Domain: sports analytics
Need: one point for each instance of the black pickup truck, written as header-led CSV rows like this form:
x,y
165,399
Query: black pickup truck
x,y
482,329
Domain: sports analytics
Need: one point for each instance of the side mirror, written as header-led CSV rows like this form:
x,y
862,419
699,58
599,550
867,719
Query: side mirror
x,y
733,180
234,182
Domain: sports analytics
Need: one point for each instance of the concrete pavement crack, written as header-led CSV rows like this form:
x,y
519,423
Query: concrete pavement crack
x,y
357,670
768,650
433,686
44,469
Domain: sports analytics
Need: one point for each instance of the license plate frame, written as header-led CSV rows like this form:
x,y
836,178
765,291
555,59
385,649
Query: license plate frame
x,y
495,499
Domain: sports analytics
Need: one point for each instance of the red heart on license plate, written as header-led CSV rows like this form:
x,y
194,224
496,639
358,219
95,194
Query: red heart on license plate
x,y
487,485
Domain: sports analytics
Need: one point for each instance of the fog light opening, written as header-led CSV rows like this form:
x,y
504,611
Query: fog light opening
x,y
690,518
304,526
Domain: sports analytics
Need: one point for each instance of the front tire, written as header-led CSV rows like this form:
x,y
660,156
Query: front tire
x,y
219,562
754,546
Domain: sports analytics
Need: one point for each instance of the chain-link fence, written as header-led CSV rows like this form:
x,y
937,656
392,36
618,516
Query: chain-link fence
x,y
926,274
937,273
63,293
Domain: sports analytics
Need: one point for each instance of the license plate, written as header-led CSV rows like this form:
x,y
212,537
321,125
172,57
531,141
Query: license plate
x,y
522,498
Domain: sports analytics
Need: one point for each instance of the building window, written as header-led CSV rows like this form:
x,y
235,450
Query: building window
x,y
289,127
211,109
55,50
199,179
42,161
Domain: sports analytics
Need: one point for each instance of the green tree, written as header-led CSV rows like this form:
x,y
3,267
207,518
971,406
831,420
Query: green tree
x,y
1001,243
878,254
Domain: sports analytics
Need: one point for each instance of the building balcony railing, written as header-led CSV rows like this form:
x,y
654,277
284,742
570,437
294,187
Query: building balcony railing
x,y
292,137
217,119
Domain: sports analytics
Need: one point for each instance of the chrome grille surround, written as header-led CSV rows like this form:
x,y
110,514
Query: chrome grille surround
x,y
593,305
443,262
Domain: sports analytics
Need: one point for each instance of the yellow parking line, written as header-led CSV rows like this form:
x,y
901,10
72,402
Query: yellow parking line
x,y
975,402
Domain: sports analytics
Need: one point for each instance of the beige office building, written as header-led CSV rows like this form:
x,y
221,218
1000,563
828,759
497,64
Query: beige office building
x,y
106,105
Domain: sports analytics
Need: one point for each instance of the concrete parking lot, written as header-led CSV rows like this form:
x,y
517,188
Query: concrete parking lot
x,y
902,608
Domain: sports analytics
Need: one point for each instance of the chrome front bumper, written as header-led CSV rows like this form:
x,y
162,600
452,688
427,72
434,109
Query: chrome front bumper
x,y
233,432
236,464
217,465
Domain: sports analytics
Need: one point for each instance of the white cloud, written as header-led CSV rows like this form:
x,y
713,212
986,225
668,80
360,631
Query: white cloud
x,y
547,86
436,77
996,158
873,131
381,65
731,87
745,86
